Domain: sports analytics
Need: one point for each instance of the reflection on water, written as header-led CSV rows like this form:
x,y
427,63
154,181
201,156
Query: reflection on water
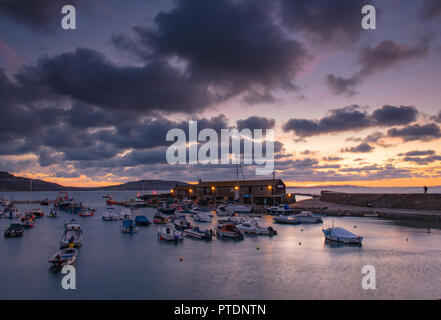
x,y
295,264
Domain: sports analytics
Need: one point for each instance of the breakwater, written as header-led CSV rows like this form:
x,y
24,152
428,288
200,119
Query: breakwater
x,y
385,200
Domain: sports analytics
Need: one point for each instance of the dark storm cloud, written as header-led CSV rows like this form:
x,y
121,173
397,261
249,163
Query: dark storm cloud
x,y
328,20
375,59
352,118
361,148
256,122
216,42
42,15
431,9
426,132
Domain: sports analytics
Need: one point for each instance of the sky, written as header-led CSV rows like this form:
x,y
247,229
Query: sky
x,y
92,106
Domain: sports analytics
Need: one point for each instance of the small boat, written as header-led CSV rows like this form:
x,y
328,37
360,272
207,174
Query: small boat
x,y
72,236
4,202
222,212
235,208
38,213
286,220
125,214
44,202
179,214
229,230
167,210
182,224
2,213
15,230
63,257
205,211
110,201
160,219
142,221
169,233
308,217
109,215
337,234
202,217
54,212
235,220
282,209
197,233
12,213
87,212
107,196
253,227
128,226
28,224
29,215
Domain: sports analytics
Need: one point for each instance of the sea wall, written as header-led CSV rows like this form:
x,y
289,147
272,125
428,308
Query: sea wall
x,y
385,200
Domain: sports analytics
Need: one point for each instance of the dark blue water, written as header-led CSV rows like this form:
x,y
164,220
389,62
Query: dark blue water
x,y
113,265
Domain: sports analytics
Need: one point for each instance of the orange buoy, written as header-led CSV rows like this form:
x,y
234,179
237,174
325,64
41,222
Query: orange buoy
x,y
181,259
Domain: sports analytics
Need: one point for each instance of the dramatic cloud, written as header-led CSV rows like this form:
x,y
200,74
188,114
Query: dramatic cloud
x,y
418,153
426,132
352,118
42,15
255,122
422,161
361,148
376,59
431,9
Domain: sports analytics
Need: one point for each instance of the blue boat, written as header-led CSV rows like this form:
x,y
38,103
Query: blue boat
x,y
142,221
128,226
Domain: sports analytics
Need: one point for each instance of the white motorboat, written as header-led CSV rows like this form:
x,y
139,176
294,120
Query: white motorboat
x,y
286,220
282,209
235,208
197,233
72,236
126,213
337,234
128,226
12,213
109,215
308,217
64,257
169,233
54,212
253,227
222,212
202,217
197,210
4,202
182,224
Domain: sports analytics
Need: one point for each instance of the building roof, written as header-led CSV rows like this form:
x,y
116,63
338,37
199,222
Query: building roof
x,y
241,183
183,187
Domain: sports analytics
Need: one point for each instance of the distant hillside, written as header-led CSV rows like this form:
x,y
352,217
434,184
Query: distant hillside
x,y
9,182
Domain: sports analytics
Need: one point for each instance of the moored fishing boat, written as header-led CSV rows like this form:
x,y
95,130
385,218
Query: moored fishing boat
x,y
182,224
54,212
28,223
12,213
45,202
222,211
169,233
28,215
63,257
15,230
283,209
197,233
340,235
126,213
37,212
160,219
236,208
128,226
72,236
253,227
109,215
286,220
307,217
87,212
142,221
229,230
202,217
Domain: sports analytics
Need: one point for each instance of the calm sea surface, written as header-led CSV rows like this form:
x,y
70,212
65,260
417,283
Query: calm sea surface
x,y
296,264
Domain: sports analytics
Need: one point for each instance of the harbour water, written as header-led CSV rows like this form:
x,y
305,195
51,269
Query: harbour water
x,y
295,264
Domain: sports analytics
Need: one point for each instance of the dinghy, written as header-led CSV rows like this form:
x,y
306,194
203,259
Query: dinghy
x,y
307,217
54,212
128,226
169,233
142,221
109,215
15,230
252,227
63,257
182,224
337,234
125,214
229,230
286,220
72,236
197,233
